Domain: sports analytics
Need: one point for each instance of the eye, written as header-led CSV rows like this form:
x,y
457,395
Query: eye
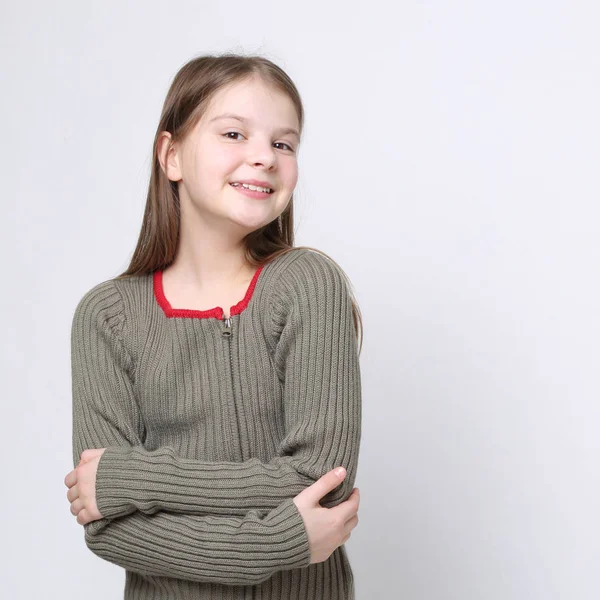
x,y
289,147
230,132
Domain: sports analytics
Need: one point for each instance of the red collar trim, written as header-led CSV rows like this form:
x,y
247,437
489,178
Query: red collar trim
x,y
217,312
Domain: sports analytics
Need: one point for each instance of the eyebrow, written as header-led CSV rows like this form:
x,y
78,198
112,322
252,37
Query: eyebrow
x,y
283,130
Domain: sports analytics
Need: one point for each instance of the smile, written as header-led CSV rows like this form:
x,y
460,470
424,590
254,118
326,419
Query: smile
x,y
252,193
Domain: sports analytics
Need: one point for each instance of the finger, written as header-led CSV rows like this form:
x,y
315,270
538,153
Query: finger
x,y
77,506
324,485
347,509
91,453
350,524
71,478
83,517
73,493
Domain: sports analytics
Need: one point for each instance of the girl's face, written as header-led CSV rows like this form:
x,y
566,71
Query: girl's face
x,y
261,144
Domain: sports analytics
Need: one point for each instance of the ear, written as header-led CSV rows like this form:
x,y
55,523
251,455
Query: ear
x,y
168,156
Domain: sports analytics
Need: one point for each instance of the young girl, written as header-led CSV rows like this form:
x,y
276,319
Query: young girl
x,y
216,382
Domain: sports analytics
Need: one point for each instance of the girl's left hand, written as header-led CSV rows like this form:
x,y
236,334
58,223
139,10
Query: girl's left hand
x,y
81,482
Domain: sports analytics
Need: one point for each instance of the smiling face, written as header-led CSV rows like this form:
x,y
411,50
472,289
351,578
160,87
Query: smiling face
x,y
221,150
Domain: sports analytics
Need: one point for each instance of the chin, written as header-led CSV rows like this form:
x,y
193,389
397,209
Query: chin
x,y
254,218
250,224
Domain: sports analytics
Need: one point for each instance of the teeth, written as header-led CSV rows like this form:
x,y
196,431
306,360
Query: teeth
x,y
255,188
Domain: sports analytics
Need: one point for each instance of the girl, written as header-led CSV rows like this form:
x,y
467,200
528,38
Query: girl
x,y
216,382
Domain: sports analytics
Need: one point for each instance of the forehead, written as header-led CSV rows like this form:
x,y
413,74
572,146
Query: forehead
x,y
255,101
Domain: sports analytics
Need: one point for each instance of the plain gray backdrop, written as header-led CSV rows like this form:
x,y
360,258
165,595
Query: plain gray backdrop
x,y
449,164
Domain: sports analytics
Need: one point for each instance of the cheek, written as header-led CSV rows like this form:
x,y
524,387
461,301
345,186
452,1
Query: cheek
x,y
215,161
291,174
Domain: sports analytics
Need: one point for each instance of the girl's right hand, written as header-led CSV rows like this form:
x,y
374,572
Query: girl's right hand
x,y
327,528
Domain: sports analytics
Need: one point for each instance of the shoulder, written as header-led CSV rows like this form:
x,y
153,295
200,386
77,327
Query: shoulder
x,y
99,325
115,311
310,272
308,282
100,298
100,307
109,299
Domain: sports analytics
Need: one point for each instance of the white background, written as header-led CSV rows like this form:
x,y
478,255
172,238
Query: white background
x,y
449,164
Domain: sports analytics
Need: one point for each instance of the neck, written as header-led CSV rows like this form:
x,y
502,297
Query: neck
x,y
210,254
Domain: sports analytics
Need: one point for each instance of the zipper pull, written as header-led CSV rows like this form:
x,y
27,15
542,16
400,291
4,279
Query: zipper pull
x,y
227,331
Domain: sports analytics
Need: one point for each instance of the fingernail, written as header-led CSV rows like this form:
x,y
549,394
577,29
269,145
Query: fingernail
x,y
339,471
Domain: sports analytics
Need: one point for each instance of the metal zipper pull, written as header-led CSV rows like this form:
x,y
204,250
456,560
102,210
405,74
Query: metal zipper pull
x,y
227,330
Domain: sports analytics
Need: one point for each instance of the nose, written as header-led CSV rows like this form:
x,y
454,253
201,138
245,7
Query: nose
x,y
262,153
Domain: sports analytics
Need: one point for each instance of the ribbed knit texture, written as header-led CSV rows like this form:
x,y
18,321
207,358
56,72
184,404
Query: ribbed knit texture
x,y
209,436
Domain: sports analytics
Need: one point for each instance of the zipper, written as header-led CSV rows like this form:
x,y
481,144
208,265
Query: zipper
x,y
227,331
227,334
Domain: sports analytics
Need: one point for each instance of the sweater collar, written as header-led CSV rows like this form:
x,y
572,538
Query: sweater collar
x,y
212,313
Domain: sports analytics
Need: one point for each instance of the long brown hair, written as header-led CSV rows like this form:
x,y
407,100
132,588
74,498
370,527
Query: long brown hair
x,y
187,99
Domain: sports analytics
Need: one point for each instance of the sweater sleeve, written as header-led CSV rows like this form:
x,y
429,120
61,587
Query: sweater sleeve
x,y
316,357
227,549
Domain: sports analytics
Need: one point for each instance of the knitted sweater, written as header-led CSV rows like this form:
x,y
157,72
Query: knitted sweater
x,y
212,425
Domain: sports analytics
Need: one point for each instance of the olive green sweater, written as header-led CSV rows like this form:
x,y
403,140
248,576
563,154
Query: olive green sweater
x,y
212,426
